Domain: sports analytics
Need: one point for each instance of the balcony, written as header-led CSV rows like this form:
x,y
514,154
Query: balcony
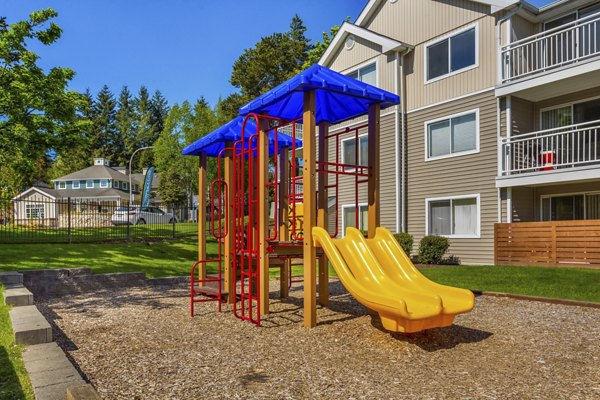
x,y
567,44
552,56
561,154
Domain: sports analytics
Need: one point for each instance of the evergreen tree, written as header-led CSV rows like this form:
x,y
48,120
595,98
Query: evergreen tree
x,y
315,54
159,109
143,129
273,60
104,129
124,120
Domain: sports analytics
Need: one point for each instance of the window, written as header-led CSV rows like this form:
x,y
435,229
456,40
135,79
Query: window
x,y
124,185
349,151
455,135
366,74
76,185
89,184
574,113
62,185
452,54
453,217
349,217
571,207
104,183
34,211
116,184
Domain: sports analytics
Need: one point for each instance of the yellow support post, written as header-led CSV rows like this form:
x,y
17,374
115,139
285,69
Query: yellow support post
x,y
310,217
373,145
263,212
284,217
322,215
202,214
228,245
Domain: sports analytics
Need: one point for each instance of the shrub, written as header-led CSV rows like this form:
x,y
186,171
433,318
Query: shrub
x,y
432,249
406,241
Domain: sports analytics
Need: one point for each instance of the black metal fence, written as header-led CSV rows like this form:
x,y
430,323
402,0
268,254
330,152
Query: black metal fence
x,y
39,220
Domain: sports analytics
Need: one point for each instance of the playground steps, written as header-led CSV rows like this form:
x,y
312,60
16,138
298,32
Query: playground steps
x,y
18,296
30,326
50,371
211,289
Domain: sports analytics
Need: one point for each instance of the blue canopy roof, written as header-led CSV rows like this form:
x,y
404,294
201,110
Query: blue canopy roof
x,y
214,142
339,97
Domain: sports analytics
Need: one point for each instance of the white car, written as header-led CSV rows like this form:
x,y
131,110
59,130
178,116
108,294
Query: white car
x,y
143,215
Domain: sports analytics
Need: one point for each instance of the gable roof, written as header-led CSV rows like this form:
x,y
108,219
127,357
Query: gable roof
x,y
95,172
40,189
339,97
387,44
370,8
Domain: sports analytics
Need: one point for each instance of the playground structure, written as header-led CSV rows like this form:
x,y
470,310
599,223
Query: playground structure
x,y
258,164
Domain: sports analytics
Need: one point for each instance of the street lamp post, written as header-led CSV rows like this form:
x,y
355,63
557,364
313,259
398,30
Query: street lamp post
x,y
130,160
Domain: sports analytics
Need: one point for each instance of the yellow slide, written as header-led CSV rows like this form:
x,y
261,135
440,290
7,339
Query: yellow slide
x,y
380,276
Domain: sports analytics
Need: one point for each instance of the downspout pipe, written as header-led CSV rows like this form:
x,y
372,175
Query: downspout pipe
x,y
499,38
401,145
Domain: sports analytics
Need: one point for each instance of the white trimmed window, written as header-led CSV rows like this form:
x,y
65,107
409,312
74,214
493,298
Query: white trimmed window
x,y
62,185
452,136
366,74
89,184
104,183
124,185
349,217
455,217
349,151
35,211
76,185
451,54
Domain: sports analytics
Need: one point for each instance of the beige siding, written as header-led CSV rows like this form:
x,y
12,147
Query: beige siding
x,y
523,204
483,76
462,175
417,21
387,178
360,53
522,116
33,197
521,28
346,61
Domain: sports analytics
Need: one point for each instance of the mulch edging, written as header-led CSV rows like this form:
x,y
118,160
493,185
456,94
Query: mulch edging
x,y
550,300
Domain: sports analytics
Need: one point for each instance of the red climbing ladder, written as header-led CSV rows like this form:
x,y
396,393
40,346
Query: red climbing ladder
x,y
246,241
210,287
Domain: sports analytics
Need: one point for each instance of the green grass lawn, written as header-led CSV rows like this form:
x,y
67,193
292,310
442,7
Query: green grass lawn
x,y
175,257
563,283
14,381
17,234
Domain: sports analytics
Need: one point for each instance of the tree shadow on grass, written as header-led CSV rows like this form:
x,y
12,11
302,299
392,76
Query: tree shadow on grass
x,y
10,386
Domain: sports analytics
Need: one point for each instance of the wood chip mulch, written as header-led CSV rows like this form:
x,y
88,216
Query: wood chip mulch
x,y
142,344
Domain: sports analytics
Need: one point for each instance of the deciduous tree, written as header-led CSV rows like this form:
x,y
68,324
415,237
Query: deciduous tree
x,y
38,114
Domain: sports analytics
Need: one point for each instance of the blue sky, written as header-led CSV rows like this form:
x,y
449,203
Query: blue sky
x,y
185,48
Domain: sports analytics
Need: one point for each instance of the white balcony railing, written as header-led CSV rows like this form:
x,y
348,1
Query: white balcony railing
x,y
552,149
567,44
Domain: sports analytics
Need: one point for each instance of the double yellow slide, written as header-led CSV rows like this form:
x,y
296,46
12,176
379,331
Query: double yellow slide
x,y
379,274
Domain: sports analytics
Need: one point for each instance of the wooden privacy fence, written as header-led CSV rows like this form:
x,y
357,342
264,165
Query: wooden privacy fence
x,y
550,243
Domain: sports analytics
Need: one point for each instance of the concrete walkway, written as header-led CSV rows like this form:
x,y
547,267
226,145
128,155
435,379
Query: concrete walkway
x,y
50,371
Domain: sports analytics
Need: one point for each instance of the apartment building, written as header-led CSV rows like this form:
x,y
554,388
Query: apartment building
x,y
498,121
